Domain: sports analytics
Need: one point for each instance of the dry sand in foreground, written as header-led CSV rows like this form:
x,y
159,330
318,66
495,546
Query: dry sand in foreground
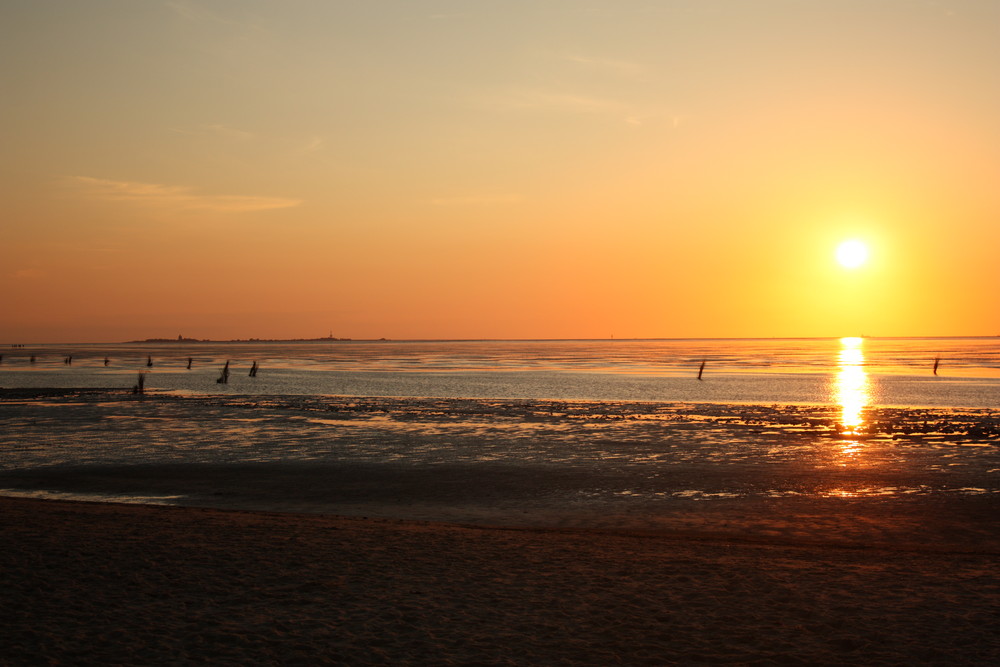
x,y
103,584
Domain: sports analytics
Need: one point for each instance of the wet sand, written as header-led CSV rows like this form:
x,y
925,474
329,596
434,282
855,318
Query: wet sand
x,y
341,530
98,583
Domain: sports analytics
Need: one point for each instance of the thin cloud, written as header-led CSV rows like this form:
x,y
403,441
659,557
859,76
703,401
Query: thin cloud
x,y
229,132
476,200
623,68
657,118
197,13
536,100
232,34
542,102
177,197
314,144
215,129
187,11
28,274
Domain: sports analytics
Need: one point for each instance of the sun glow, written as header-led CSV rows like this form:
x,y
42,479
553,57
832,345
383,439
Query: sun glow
x,y
852,254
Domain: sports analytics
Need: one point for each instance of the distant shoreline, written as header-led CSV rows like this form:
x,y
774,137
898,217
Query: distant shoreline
x,y
180,339
332,339
525,340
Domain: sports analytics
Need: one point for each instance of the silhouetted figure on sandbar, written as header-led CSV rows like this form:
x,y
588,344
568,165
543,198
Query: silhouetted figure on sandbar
x,y
253,370
106,361
937,360
149,360
189,363
701,369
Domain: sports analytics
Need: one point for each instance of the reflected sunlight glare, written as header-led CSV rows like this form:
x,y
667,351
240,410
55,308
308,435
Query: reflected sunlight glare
x,y
852,390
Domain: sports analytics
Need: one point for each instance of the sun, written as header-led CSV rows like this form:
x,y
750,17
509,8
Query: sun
x,y
852,254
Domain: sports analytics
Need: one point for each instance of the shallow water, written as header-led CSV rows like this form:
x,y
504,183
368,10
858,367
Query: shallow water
x,y
897,372
319,453
353,427
958,356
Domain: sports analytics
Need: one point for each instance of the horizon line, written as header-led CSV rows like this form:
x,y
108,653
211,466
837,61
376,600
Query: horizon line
x,y
164,341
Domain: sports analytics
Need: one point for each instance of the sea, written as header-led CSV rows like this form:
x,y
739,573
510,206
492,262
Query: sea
x,y
470,430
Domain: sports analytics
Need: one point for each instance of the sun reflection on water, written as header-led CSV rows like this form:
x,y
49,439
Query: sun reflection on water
x,y
852,392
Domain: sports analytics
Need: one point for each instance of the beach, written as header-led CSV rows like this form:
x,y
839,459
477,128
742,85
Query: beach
x,y
100,583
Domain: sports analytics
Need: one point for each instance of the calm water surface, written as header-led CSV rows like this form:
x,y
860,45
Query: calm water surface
x,y
885,371
335,425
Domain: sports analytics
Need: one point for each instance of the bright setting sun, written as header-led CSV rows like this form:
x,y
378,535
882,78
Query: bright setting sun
x,y
852,254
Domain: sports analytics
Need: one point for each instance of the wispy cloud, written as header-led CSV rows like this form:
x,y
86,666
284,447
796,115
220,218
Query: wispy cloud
x,y
543,102
198,13
234,30
314,144
477,200
215,129
27,274
188,10
176,196
539,100
623,68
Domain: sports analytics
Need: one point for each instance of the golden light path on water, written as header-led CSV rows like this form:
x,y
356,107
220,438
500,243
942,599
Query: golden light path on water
x,y
852,392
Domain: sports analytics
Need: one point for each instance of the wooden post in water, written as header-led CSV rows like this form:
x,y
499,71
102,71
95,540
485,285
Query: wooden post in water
x,y
224,378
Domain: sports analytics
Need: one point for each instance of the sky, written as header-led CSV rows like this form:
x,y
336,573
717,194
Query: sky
x,y
497,169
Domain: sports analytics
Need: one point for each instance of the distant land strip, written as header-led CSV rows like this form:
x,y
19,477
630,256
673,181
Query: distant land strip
x,y
182,339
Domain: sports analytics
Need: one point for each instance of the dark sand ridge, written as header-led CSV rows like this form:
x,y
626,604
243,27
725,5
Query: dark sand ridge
x,y
91,583
554,497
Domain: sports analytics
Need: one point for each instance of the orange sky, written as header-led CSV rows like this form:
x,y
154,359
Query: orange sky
x,y
543,169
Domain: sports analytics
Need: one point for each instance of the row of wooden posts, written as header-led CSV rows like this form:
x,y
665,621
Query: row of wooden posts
x,y
139,386
68,361
224,377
